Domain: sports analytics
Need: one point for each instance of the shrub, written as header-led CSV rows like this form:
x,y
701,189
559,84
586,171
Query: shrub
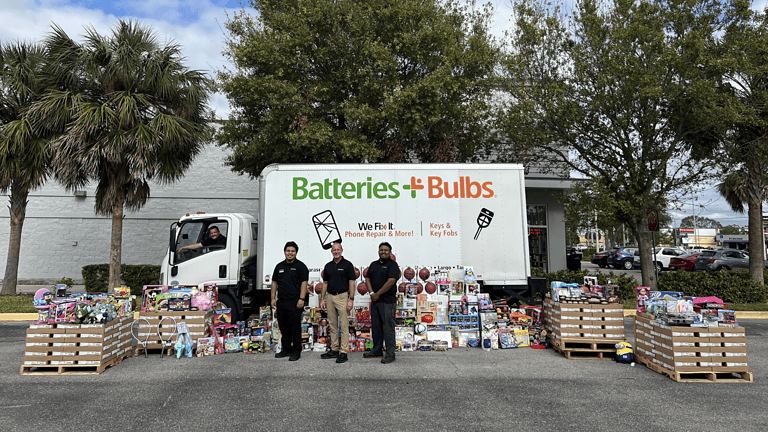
x,y
730,286
626,283
96,276
136,276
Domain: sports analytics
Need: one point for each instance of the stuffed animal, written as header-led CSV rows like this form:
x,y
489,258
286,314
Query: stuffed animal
x,y
624,353
82,310
469,275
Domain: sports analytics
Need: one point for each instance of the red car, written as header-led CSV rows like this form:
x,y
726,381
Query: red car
x,y
685,262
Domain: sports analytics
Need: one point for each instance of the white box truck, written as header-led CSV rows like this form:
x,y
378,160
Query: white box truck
x,y
433,215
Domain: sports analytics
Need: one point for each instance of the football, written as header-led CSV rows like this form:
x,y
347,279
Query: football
x,y
409,273
430,288
424,273
362,289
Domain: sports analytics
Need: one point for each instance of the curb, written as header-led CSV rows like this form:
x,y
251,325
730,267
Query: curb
x,y
33,316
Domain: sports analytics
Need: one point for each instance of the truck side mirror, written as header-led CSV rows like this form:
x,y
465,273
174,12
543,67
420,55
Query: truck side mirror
x,y
172,239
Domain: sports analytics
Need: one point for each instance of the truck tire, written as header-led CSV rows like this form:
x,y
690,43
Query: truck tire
x,y
627,264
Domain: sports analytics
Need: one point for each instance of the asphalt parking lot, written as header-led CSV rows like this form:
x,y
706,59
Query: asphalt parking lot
x,y
461,389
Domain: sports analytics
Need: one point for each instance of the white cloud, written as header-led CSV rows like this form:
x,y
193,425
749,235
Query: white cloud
x,y
197,26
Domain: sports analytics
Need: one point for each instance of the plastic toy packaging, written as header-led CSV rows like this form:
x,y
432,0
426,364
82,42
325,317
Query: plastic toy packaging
x,y
183,341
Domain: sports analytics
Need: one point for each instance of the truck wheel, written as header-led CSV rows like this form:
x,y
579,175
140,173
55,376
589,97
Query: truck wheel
x,y
228,302
627,264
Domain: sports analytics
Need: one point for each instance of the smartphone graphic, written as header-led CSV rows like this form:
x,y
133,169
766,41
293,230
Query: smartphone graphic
x,y
326,229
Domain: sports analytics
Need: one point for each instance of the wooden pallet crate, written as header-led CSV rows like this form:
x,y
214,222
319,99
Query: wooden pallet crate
x,y
584,349
698,376
75,369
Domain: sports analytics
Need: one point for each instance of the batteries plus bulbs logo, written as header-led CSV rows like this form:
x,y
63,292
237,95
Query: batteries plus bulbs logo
x,y
434,187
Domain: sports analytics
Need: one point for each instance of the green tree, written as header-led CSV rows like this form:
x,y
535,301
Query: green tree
x,y
701,222
732,230
127,112
358,81
612,91
24,154
746,80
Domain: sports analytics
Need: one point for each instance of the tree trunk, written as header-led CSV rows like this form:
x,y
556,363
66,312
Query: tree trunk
x,y
18,211
646,255
756,239
116,246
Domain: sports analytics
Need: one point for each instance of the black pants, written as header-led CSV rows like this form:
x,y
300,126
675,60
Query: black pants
x,y
383,327
289,321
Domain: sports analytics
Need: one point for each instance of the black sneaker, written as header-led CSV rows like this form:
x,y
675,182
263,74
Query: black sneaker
x,y
294,357
330,354
282,354
370,355
388,360
341,358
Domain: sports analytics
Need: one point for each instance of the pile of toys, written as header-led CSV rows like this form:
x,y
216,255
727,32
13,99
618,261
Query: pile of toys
x,y
674,308
589,292
82,308
159,298
253,336
438,308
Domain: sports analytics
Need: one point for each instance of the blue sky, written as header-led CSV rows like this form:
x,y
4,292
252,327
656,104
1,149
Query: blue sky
x,y
197,25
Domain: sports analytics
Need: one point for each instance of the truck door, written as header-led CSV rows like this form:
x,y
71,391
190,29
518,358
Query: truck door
x,y
202,252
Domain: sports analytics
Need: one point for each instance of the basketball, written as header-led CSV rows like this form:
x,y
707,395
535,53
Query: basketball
x,y
362,289
318,288
419,288
365,272
357,272
402,287
424,273
409,273
430,288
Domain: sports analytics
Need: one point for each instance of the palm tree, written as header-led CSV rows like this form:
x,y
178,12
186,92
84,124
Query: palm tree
x,y
24,155
128,112
750,185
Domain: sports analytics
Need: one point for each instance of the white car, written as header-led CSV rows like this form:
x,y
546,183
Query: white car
x,y
663,256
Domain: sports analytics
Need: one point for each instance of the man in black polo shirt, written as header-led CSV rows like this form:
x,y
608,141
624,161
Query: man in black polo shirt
x,y
380,281
338,292
289,286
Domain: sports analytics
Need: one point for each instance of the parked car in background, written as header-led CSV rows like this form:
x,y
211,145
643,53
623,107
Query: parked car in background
x,y
723,259
684,262
663,256
580,247
620,257
600,258
573,259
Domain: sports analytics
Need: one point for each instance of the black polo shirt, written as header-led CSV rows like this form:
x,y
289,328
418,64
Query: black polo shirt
x,y
289,278
379,273
338,276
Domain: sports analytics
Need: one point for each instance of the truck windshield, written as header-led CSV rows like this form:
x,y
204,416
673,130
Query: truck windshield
x,y
197,238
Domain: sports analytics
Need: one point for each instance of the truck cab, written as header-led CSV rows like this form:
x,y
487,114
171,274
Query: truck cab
x,y
194,258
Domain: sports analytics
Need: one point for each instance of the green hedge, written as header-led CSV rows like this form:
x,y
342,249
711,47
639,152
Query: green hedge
x,y
626,283
135,276
730,286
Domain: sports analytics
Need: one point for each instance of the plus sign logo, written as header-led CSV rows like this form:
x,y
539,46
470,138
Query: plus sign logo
x,y
414,186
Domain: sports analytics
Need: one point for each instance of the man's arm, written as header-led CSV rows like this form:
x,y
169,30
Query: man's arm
x,y
351,302
190,246
322,295
274,295
300,303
